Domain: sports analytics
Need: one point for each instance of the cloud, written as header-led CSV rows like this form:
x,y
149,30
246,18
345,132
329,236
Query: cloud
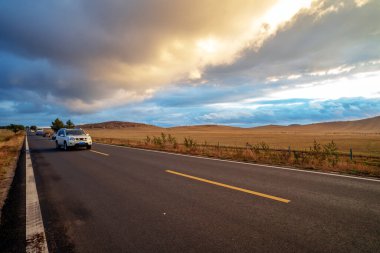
x,y
315,40
290,112
87,53
185,62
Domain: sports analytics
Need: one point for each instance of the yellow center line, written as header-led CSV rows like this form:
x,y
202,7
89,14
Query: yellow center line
x,y
100,153
230,187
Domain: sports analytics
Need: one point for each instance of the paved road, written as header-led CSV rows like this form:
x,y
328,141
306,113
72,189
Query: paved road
x,y
125,200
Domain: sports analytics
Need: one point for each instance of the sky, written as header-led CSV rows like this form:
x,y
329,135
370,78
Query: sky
x,y
189,62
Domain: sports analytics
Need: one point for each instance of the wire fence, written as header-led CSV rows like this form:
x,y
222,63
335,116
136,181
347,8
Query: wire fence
x,y
322,157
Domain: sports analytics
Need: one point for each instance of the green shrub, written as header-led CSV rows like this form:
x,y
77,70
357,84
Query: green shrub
x,y
157,141
330,150
190,143
163,138
172,140
316,152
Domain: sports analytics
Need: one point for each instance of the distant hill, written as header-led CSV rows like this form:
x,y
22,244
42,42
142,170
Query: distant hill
x,y
117,125
204,128
370,125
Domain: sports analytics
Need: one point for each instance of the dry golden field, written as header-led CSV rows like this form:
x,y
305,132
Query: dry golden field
x,y
10,145
361,143
321,146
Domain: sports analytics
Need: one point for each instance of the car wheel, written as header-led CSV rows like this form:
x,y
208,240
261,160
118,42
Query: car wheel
x,y
57,145
65,147
88,146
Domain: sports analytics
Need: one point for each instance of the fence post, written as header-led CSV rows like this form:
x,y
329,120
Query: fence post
x,y
289,150
351,154
246,150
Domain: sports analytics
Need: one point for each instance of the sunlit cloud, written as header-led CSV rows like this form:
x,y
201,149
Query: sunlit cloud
x,y
360,3
161,49
364,85
199,55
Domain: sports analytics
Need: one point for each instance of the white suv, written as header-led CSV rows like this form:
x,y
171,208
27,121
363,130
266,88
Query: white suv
x,y
69,138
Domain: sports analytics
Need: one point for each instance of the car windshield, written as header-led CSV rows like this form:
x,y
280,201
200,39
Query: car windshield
x,y
75,132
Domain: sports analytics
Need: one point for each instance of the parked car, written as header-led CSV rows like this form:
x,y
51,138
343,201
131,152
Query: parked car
x,y
72,138
40,131
46,134
54,136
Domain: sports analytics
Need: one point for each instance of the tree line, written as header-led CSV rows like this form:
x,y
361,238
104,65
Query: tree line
x,y
58,124
55,126
13,127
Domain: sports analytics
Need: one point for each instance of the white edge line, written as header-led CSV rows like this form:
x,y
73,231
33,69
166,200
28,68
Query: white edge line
x,y
250,164
97,152
35,232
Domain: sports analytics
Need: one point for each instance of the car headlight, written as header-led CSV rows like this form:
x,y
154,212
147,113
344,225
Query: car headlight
x,y
72,139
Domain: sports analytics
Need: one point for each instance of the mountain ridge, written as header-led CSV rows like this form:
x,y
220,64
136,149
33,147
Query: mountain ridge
x,y
368,125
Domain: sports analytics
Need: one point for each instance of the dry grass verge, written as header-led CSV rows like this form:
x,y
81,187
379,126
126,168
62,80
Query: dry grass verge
x,y
10,146
367,144
321,157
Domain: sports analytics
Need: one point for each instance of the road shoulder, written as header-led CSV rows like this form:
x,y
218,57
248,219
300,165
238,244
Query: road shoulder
x,y
12,228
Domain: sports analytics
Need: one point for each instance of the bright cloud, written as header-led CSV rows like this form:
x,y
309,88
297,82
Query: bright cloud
x,y
91,57
132,45
365,85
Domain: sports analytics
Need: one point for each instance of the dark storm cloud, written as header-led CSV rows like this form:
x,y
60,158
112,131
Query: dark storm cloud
x,y
40,77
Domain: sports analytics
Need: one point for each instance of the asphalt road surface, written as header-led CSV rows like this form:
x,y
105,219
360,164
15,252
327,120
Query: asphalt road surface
x,y
114,199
